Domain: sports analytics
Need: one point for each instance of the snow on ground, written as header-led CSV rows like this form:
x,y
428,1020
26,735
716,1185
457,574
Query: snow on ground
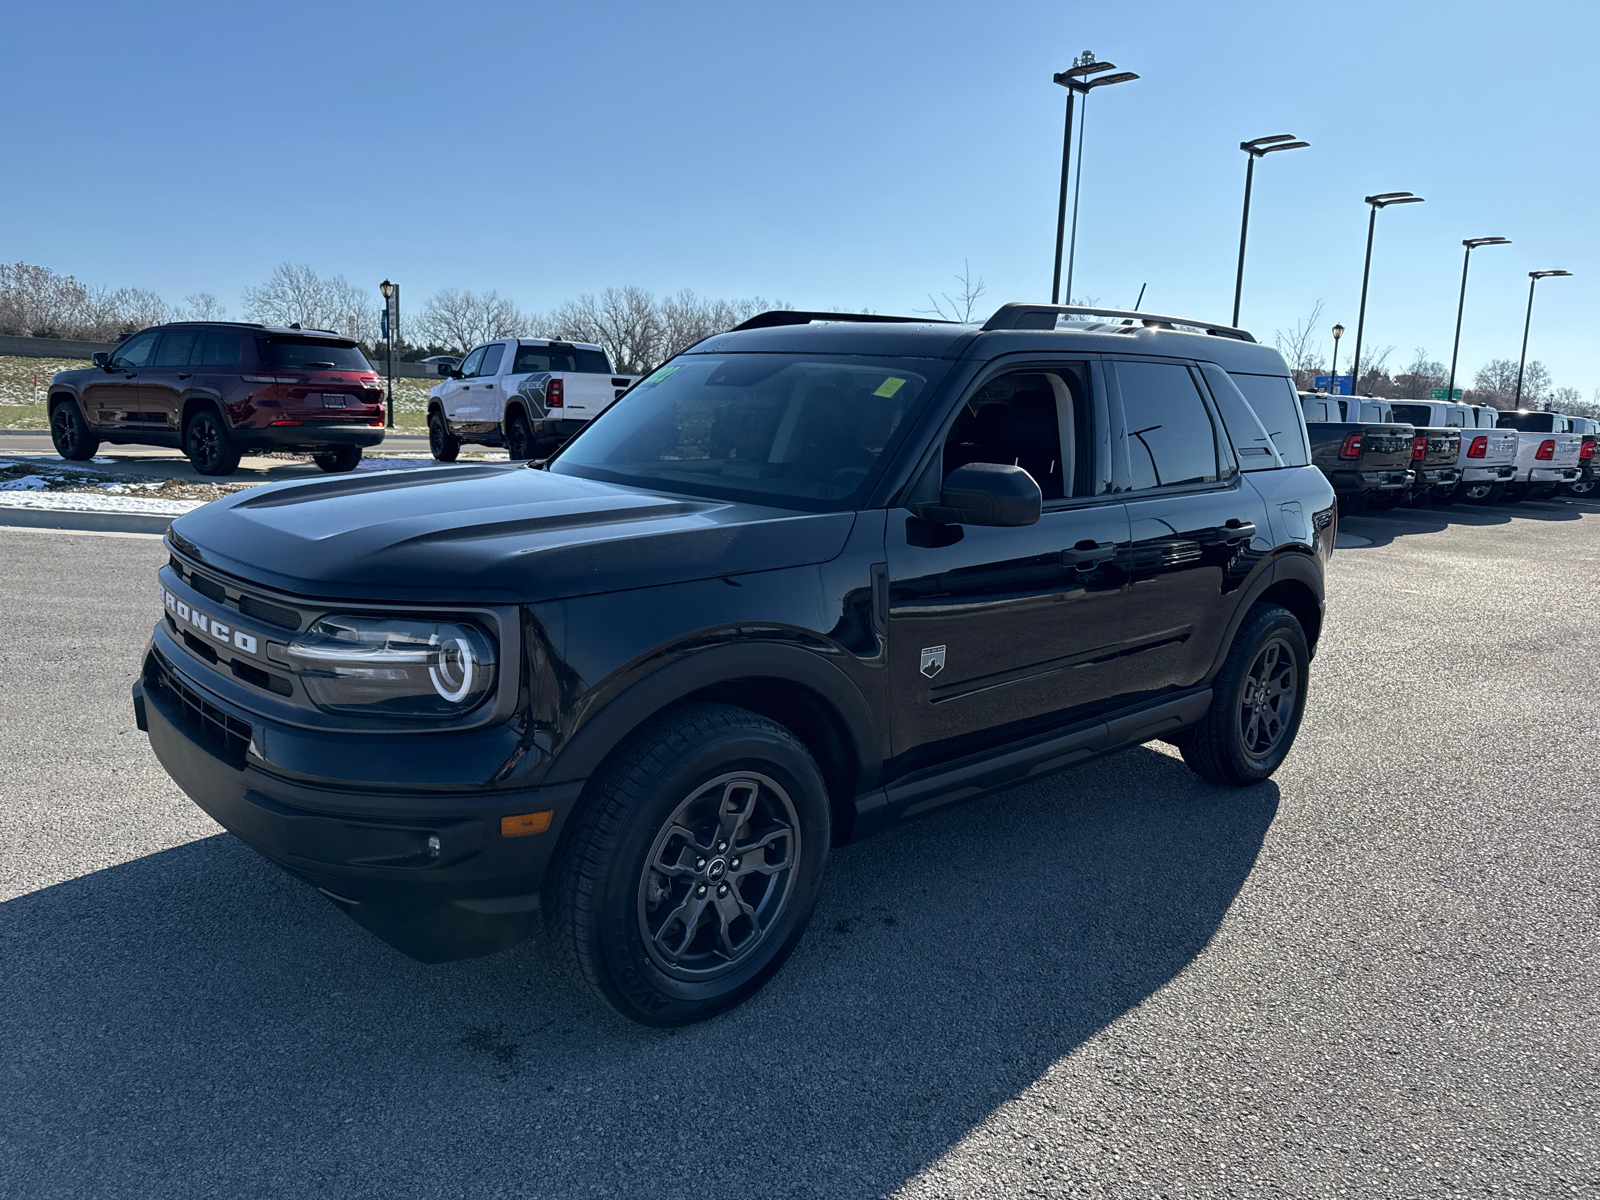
x,y
28,483
98,502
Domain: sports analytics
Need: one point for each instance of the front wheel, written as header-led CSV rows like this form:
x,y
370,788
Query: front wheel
x,y
70,433
1256,704
208,445
337,458
690,871
442,444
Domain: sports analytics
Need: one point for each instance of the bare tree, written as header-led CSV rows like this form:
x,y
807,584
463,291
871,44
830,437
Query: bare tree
x,y
622,321
202,306
686,319
960,306
1419,378
296,293
1299,349
461,320
1375,380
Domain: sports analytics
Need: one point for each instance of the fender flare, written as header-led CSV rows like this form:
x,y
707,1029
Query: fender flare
x,y
603,730
191,402
1287,568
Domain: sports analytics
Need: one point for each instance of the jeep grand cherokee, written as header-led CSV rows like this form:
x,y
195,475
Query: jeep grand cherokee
x,y
812,577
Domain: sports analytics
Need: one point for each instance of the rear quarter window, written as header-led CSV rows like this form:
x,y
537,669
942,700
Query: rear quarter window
x,y
1277,405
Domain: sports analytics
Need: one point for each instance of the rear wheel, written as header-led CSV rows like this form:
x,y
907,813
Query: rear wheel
x,y
1475,493
690,872
337,458
443,444
208,445
519,438
1514,493
1582,487
70,433
1257,701
1444,497
1384,501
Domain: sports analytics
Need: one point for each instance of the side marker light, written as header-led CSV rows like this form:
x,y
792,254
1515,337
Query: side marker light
x,y
527,823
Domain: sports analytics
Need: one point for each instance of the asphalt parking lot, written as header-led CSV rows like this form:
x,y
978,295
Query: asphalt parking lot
x,y
1373,976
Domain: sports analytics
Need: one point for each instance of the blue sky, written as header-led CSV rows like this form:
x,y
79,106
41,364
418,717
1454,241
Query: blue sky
x,y
827,154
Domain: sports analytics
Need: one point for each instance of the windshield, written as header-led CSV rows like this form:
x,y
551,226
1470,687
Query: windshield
x,y
315,352
543,358
793,430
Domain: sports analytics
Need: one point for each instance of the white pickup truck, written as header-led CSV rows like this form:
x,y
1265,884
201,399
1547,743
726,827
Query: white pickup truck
x,y
1548,452
1488,456
527,394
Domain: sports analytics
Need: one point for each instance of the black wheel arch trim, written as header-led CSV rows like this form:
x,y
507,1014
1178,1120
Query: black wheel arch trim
x,y
608,726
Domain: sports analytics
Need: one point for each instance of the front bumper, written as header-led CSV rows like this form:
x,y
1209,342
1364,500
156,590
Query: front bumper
x,y
1501,474
312,433
429,872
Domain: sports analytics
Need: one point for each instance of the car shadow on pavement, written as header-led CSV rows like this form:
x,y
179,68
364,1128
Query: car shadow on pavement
x,y
1383,527
195,1021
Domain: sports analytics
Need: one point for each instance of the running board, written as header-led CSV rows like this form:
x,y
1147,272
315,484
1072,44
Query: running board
x,y
924,791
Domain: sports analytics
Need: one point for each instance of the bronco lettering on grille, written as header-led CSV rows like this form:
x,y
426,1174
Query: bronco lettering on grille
x,y
209,625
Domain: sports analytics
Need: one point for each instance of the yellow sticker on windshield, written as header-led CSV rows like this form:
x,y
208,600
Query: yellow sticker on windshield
x,y
661,374
889,386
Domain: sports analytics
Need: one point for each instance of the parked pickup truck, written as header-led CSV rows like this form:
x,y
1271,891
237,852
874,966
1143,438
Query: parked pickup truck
x,y
1547,453
1436,453
527,394
1589,430
1362,450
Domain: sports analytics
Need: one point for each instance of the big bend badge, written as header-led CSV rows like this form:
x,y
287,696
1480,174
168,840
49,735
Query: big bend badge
x,y
932,660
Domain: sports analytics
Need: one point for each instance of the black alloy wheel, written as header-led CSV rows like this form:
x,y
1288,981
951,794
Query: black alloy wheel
x,y
442,444
1257,702
688,873
337,458
519,439
70,433
206,442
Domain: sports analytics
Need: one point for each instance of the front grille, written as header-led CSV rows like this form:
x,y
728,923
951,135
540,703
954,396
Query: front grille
x,y
272,614
251,606
227,735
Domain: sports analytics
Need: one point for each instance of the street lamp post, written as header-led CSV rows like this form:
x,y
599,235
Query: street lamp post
x,y
1381,200
391,332
1533,279
1333,371
1076,79
1256,148
1471,244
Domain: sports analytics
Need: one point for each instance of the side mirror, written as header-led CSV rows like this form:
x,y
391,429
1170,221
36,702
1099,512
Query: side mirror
x,y
987,494
446,370
101,358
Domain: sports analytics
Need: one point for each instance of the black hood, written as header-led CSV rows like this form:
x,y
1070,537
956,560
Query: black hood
x,y
490,534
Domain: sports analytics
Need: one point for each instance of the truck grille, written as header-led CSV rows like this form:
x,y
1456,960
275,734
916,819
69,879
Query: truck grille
x,y
251,606
227,735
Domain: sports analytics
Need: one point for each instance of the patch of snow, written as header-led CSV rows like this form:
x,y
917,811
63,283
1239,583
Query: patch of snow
x,y
88,502
28,483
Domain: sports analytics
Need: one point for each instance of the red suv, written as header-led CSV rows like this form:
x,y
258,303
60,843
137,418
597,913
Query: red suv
x,y
218,388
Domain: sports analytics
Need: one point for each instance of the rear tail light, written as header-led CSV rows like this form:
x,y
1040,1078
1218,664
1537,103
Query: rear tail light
x,y
1588,449
1419,446
1547,449
554,394
272,378
1351,447
288,422
1479,447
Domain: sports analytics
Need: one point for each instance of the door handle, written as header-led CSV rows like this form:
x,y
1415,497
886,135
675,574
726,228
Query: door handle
x,y
1088,554
184,374
1235,530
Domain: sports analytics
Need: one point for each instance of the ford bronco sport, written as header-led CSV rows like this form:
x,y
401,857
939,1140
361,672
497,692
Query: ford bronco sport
x,y
218,388
814,576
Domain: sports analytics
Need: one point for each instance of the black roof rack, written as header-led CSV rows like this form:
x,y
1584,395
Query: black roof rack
x,y
789,316
1043,316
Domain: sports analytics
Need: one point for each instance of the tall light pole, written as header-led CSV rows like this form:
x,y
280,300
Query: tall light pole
x,y
1471,244
1333,371
1256,148
1076,79
1533,279
1381,200
391,332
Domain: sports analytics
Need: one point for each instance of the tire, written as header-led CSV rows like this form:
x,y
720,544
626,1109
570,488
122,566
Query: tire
x,y
519,438
1581,488
1514,493
207,443
1351,503
442,444
1384,501
334,459
70,433
1497,493
1245,734
1444,497
639,937
1476,493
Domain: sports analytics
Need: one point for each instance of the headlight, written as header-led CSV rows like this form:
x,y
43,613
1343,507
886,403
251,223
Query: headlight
x,y
373,667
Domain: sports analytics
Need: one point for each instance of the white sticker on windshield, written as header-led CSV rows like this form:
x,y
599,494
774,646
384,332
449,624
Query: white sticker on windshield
x,y
659,375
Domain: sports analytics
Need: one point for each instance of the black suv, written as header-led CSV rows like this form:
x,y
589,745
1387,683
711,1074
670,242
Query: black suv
x,y
812,577
217,388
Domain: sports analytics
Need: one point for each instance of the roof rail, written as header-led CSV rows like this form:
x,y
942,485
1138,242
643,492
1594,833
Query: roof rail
x,y
1043,316
789,316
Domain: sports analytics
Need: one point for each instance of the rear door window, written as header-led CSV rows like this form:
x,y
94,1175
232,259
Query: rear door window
x,y
1277,405
177,347
1169,436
